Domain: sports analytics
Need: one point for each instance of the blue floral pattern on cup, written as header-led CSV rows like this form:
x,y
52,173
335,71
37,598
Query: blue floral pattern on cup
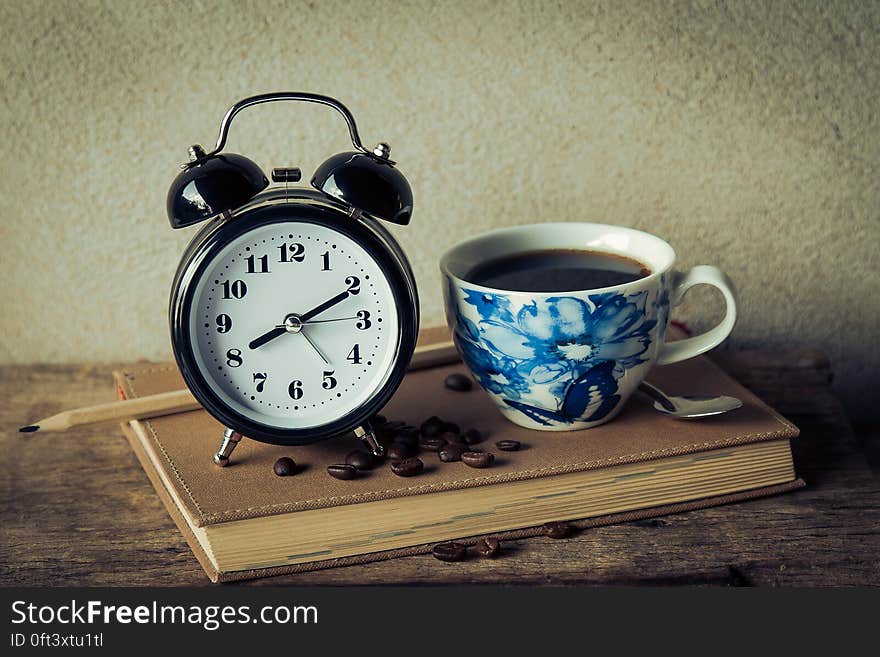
x,y
575,348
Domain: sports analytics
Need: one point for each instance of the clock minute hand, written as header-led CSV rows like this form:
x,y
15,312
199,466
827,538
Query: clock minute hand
x,y
317,310
258,342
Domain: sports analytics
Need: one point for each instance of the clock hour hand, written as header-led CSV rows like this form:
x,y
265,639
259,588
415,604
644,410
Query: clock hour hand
x,y
258,342
267,336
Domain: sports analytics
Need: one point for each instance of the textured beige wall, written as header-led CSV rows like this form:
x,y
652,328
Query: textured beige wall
x,y
746,135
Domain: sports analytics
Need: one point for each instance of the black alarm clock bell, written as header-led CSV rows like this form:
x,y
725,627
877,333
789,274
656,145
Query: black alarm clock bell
x,y
294,313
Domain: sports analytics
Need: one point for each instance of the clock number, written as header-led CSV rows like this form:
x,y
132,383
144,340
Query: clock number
x,y
354,284
252,261
326,258
329,381
260,380
364,317
224,323
295,252
295,389
235,289
354,355
233,358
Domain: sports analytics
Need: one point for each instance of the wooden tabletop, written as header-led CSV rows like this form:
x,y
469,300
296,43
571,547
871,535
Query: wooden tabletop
x,y
78,510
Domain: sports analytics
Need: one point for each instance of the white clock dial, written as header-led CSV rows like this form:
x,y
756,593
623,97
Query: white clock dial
x,y
265,339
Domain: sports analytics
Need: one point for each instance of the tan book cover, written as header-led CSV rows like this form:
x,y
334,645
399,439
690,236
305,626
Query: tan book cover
x,y
243,521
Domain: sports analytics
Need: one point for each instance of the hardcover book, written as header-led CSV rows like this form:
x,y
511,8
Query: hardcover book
x,y
243,521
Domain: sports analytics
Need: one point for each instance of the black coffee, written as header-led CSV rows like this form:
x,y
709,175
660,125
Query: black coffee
x,y
557,270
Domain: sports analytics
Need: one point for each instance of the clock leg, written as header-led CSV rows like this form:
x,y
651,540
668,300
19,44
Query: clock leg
x,y
365,433
230,440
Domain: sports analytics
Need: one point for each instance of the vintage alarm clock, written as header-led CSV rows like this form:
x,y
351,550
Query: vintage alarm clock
x,y
294,313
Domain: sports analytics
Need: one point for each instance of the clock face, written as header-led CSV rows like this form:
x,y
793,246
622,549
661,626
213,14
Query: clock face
x,y
293,325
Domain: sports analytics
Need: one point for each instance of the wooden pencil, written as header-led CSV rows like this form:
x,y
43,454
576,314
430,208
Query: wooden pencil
x,y
180,401
166,403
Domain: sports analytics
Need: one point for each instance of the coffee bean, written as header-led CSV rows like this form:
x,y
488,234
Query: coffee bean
x,y
432,426
458,382
400,451
408,435
477,459
432,444
385,432
407,441
473,436
407,467
361,460
508,445
488,547
450,437
452,452
557,529
284,466
451,427
342,471
451,551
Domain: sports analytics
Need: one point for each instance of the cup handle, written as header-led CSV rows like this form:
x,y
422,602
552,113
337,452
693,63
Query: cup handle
x,y
679,350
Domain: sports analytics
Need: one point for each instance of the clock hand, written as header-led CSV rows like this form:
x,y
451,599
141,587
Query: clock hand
x,y
335,319
268,335
279,330
324,321
292,324
317,310
315,347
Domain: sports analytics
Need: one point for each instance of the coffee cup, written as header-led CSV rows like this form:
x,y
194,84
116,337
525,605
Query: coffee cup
x,y
568,359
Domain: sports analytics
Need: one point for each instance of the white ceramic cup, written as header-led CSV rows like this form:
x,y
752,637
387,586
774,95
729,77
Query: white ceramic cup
x,y
561,361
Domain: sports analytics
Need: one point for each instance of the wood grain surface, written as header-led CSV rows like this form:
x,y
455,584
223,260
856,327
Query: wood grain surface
x,y
78,510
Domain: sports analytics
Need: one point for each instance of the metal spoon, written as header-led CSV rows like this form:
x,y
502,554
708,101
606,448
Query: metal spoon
x,y
689,406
